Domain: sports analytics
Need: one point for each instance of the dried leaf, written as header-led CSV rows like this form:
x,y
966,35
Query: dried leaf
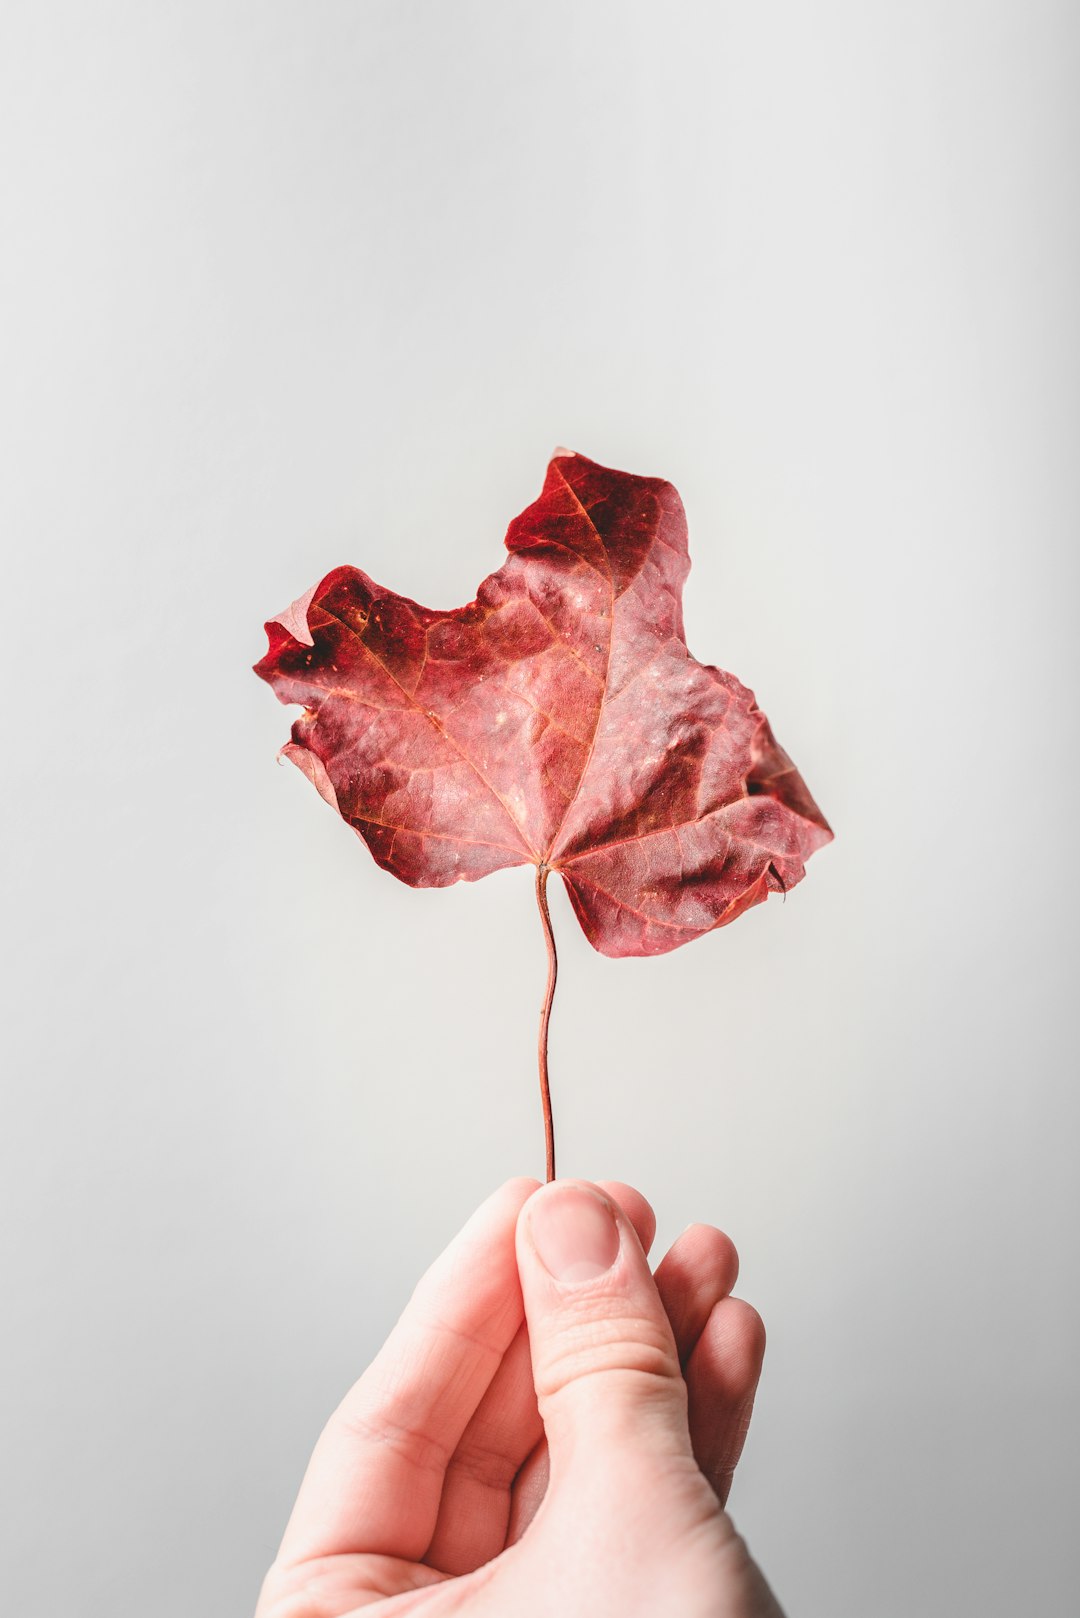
x,y
558,720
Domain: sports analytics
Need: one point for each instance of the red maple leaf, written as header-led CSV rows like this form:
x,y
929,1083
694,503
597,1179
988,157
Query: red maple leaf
x,y
557,721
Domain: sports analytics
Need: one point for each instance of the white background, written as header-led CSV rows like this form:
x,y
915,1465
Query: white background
x,y
289,285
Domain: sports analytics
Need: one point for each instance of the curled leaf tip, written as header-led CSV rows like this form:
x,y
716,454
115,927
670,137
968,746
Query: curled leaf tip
x,y
294,618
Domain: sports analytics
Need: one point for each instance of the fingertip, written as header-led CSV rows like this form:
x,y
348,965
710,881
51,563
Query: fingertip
x,y
698,1270
733,1341
707,1251
745,1331
519,1186
507,1200
636,1207
493,1222
572,1229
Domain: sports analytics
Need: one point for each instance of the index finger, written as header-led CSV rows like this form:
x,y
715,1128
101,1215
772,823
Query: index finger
x,y
375,1479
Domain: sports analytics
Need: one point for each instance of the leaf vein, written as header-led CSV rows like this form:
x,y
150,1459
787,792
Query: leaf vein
x,y
433,721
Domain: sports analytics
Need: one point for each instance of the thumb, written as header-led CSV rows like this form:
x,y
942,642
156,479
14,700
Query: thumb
x,y
605,1364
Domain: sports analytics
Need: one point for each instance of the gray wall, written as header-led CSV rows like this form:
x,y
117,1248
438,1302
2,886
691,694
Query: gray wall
x,y
289,285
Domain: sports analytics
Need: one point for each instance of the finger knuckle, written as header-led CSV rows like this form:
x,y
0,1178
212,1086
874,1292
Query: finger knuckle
x,y
632,1344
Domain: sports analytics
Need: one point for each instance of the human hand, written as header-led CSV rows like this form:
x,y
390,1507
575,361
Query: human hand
x,y
524,1445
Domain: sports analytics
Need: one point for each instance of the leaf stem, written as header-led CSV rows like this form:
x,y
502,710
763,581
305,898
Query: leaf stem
x,y
545,1016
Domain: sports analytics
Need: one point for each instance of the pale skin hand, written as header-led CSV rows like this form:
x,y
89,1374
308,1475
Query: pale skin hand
x,y
527,1446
